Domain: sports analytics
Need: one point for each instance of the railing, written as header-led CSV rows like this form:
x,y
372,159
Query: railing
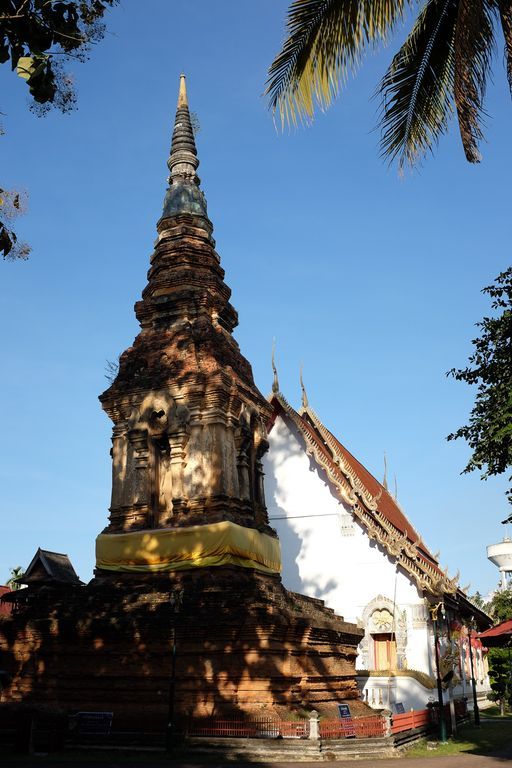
x,y
360,728
344,728
408,720
263,728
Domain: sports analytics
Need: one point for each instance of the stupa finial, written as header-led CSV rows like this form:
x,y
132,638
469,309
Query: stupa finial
x,y
275,383
183,160
305,401
182,94
184,195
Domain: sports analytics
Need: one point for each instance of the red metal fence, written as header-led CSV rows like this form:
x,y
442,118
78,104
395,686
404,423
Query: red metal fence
x,y
360,728
408,720
263,728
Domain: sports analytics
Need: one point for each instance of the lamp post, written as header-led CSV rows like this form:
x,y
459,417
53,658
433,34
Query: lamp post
x,y
434,610
175,601
476,711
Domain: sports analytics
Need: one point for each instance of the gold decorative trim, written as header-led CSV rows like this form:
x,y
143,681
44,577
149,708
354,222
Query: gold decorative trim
x,y
421,677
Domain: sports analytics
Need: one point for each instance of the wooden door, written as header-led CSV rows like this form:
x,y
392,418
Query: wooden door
x,y
384,645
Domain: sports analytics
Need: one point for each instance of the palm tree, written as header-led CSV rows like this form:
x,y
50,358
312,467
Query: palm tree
x,y
16,573
442,67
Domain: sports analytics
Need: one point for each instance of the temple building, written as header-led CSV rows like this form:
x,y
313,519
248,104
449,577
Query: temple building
x,y
346,540
186,615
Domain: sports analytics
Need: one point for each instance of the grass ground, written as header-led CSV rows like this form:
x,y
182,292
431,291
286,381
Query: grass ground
x,y
493,735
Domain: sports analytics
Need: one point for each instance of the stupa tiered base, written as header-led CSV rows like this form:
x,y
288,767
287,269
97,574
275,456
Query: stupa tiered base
x,y
244,646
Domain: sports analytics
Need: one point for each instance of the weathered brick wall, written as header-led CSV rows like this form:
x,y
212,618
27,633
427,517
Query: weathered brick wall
x,y
108,647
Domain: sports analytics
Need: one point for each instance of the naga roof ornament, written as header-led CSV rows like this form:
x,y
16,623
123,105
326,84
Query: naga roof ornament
x,y
275,383
305,402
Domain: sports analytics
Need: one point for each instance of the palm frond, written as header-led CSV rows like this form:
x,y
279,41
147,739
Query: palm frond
x,y
474,46
326,41
417,89
505,11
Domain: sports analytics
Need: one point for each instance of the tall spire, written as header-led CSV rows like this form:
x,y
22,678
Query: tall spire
x,y
385,478
183,195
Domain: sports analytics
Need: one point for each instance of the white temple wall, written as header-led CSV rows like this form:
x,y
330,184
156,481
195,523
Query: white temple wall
x,y
328,556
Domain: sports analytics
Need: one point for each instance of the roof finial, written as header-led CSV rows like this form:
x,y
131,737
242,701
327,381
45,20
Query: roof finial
x,y
385,478
396,489
182,95
305,402
275,383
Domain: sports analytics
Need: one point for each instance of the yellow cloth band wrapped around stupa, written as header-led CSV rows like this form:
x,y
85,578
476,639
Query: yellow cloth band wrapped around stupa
x,y
197,546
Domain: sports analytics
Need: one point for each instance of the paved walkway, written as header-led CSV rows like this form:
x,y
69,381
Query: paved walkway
x,y
464,760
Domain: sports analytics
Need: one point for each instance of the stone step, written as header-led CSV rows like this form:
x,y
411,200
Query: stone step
x,y
296,750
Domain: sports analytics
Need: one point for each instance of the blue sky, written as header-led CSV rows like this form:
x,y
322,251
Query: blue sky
x,y
372,281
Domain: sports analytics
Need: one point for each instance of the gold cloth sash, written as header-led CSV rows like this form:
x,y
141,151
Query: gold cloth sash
x,y
198,546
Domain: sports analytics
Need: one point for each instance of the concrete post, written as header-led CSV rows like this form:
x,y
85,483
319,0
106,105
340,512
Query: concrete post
x,y
453,716
314,729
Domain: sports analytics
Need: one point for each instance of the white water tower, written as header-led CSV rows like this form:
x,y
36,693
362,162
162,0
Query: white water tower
x,y
501,555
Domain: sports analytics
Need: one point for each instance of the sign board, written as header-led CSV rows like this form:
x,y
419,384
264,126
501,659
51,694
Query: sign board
x,y
344,712
97,723
399,708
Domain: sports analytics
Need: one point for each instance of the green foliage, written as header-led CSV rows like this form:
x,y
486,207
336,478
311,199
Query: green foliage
x,y
500,607
416,109
500,672
500,659
37,36
12,204
478,600
441,69
489,431
37,39
327,39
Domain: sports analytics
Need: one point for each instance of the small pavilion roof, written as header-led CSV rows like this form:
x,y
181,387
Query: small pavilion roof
x,y
371,503
49,567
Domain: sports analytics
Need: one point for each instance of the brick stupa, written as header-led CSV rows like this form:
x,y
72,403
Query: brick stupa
x,y
188,552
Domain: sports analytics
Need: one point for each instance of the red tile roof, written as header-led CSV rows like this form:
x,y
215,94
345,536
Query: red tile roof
x,y
497,636
5,608
387,505
373,505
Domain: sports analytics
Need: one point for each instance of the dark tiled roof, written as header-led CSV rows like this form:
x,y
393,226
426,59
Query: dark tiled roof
x,y
48,567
